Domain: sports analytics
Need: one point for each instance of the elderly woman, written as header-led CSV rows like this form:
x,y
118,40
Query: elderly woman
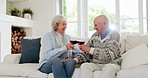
x,y
56,45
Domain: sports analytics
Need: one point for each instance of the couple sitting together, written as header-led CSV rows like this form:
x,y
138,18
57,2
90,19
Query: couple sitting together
x,y
100,53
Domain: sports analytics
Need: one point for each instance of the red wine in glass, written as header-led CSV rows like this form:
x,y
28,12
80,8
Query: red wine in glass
x,y
80,42
73,42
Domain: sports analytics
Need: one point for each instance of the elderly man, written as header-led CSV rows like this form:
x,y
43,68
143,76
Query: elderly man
x,y
103,49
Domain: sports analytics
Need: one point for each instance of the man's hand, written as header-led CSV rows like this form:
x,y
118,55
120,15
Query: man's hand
x,y
69,46
84,48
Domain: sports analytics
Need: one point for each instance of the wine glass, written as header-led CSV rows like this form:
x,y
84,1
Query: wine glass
x,y
80,40
74,42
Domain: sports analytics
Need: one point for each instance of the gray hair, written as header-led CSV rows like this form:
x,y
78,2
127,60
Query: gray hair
x,y
56,20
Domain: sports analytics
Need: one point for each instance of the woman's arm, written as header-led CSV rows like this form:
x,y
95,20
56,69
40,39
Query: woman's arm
x,y
49,47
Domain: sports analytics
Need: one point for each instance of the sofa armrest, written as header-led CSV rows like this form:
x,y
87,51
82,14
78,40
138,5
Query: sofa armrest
x,y
12,58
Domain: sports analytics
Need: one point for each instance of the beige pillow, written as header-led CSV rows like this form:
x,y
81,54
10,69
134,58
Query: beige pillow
x,y
135,57
12,58
133,41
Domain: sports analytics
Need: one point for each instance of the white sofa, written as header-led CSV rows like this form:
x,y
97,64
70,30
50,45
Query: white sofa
x,y
11,69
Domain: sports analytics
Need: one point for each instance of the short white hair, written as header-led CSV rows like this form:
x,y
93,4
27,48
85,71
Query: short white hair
x,y
56,20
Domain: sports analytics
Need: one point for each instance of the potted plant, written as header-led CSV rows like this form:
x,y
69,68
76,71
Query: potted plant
x,y
27,13
15,12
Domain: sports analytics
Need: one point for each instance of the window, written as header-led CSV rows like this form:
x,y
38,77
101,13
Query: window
x,y
101,7
127,18
145,17
70,11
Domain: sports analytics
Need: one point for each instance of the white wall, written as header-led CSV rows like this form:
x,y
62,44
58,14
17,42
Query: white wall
x,y
5,47
43,10
2,7
42,14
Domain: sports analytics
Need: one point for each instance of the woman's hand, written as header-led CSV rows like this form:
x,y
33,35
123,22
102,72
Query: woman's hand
x,y
69,46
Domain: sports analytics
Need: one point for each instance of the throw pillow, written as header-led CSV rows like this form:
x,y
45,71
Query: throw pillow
x,y
135,57
133,41
30,49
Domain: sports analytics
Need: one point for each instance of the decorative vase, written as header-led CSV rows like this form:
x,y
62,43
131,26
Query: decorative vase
x,y
16,14
27,16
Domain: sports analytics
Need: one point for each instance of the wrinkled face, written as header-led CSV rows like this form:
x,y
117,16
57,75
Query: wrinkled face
x,y
62,27
98,26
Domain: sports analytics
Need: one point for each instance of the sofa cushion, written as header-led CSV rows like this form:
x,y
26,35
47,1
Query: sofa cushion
x,y
122,44
30,49
12,58
135,72
135,57
133,41
37,74
23,70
